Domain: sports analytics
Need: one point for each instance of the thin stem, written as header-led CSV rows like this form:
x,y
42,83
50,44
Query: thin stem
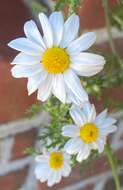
x,y
109,27
120,2
113,166
108,24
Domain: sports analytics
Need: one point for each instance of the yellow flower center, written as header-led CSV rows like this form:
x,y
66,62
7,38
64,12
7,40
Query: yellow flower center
x,y
56,160
55,60
89,133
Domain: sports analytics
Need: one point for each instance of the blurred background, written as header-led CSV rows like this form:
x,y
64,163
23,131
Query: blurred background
x,y
18,131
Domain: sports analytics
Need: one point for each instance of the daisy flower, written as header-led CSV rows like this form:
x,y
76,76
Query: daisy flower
x,y
51,166
52,62
89,132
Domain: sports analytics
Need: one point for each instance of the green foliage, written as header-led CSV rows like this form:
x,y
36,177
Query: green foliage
x,y
72,4
115,104
31,151
37,7
59,5
33,110
51,134
116,16
59,114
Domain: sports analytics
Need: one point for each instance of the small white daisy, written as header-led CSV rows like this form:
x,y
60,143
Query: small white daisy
x,y
52,62
89,132
51,166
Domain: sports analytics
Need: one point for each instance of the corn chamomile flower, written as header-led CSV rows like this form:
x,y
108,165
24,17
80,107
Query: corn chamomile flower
x,y
52,62
89,132
51,166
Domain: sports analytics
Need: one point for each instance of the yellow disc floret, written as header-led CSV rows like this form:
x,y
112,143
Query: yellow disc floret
x,y
89,133
55,60
56,160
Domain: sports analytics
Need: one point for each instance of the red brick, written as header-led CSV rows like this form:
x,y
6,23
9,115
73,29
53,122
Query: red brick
x,y
57,187
119,153
92,14
114,93
88,187
121,137
23,141
12,18
14,99
14,180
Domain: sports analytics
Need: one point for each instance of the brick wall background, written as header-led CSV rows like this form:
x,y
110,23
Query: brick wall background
x,y
17,132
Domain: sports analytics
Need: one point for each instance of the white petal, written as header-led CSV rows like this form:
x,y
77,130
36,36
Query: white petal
x,y
94,146
56,20
59,87
101,144
108,122
78,116
66,157
107,130
42,172
70,131
73,146
24,59
47,30
71,28
45,89
19,71
52,178
90,112
101,117
87,64
83,154
35,81
26,46
58,177
71,98
32,32
41,158
66,170
82,43
73,83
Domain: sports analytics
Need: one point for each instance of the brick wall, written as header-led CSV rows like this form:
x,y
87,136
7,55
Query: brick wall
x,y
17,132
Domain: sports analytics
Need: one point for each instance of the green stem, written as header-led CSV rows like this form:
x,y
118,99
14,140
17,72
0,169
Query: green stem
x,y
108,24
113,166
120,2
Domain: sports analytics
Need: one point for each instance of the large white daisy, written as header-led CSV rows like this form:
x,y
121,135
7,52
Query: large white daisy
x,y
51,166
89,132
52,62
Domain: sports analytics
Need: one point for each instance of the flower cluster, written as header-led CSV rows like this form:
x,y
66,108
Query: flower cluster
x,y
52,64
